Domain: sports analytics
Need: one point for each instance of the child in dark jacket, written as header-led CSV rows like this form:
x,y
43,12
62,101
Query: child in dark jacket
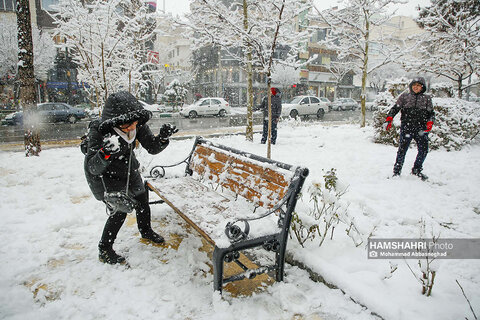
x,y
417,117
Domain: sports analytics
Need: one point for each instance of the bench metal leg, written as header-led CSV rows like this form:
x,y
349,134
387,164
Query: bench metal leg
x,y
280,261
218,256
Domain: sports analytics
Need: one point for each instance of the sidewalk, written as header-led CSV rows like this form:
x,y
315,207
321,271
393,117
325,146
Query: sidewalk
x,y
207,133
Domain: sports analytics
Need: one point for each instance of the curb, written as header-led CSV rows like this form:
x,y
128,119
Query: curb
x,y
50,144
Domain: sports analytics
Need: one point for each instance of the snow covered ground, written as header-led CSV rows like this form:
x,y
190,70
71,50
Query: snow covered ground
x,y
51,225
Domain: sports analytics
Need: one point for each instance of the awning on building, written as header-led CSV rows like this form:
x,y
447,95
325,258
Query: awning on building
x,y
320,77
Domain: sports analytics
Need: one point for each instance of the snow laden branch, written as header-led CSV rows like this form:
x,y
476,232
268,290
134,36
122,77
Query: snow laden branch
x,y
349,36
256,34
43,50
107,41
450,46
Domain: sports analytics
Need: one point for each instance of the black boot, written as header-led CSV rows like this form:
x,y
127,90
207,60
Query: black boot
x,y
110,231
418,173
108,255
143,220
153,236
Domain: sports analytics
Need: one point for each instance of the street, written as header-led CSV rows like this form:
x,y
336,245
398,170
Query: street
x,y
66,131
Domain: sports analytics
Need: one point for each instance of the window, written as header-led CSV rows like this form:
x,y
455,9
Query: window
x,y
47,4
7,5
304,101
46,107
314,100
214,101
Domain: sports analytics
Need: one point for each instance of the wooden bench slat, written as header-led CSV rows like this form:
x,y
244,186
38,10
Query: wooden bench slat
x,y
247,166
245,178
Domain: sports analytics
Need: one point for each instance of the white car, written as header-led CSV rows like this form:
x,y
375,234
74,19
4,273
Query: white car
x,y
206,107
150,107
345,104
304,106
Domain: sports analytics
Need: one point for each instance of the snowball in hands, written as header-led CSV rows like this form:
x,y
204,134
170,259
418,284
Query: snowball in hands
x,y
111,145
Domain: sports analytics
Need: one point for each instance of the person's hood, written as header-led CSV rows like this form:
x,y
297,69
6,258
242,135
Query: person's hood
x,y
420,80
121,108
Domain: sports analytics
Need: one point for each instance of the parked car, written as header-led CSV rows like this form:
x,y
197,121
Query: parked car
x,y
345,104
206,107
12,119
304,106
50,112
150,107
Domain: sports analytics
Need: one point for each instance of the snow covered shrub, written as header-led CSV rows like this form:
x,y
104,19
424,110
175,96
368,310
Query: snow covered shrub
x,y
383,102
442,90
176,93
326,210
456,123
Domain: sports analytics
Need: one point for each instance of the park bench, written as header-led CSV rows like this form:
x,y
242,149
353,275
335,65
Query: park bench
x,y
236,201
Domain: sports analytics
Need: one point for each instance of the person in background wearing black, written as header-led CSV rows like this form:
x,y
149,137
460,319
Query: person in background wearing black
x,y
276,112
417,117
111,166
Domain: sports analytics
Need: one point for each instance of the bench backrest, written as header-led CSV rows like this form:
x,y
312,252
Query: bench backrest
x,y
259,180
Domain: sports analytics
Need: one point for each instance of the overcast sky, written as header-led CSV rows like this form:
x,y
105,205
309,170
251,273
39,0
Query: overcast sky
x,y
178,7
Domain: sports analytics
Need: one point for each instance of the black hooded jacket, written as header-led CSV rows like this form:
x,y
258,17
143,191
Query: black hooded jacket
x,y
416,108
276,105
120,108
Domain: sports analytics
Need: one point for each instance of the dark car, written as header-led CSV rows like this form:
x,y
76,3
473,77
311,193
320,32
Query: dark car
x,y
50,112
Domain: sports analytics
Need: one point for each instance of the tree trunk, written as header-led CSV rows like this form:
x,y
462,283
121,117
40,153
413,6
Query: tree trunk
x,y
269,132
363,95
26,78
249,128
460,89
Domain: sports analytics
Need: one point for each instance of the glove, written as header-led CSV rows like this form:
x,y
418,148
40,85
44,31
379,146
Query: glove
x,y
111,145
166,131
388,123
429,126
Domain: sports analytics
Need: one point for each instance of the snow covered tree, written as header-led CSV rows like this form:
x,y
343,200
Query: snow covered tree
x,y
451,45
9,47
107,41
285,76
176,93
252,33
349,36
43,50
26,78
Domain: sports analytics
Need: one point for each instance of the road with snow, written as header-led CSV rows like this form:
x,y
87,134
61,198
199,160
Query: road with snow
x,y
66,131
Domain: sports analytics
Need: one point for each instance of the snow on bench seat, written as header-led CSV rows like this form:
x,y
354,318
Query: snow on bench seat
x,y
209,210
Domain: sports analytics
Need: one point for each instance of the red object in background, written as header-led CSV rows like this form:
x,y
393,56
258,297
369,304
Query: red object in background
x,y
153,57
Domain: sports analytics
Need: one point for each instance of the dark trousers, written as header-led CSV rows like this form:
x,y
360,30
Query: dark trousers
x,y
115,222
406,136
265,130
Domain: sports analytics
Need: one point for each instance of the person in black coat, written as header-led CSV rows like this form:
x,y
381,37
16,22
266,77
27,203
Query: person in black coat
x,y
276,102
110,156
417,117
